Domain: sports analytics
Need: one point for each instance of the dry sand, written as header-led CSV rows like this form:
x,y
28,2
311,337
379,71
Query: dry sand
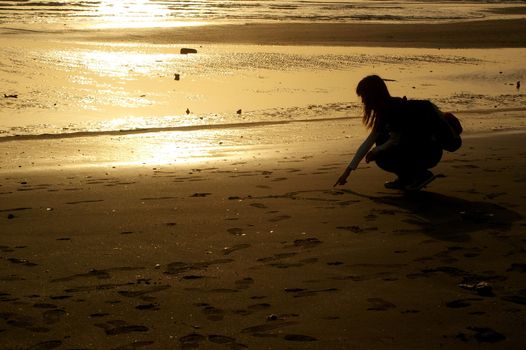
x,y
258,250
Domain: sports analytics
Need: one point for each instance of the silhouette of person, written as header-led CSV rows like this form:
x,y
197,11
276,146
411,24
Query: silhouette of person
x,y
400,141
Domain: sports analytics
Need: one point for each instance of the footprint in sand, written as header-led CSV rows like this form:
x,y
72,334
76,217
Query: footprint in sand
x,y
157,198
224,340
6,249
213,314
516,299
259,307
258,205
298,337
487,335
22,262
482,335
223,290
100,274
461,303
517,267
277,257
309,242
230,250
220,339
353,229
5,296
244,283
286,265
149,306
380,304
53,316
279,218
236,231
116,327
180,267
191,341
261,329
300,293
47,345
201,194
142,292
134,345
410,311
192,277
18,320
357,229
279,179
263,187
45,306
11,278
86,201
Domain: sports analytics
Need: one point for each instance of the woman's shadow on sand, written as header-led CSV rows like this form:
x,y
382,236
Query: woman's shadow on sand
x,y
449,218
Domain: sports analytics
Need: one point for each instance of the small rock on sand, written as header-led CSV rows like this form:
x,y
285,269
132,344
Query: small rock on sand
x,y
186,50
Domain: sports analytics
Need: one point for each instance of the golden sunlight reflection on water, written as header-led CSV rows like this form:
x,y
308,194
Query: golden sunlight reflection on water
x,y
117,63
138,14
119,12
78,86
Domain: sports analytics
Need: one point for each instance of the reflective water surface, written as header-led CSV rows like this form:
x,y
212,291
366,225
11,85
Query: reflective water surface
x,y
144,13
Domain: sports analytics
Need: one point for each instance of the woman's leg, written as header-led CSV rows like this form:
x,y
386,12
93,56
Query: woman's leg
x,y
394,161
409,163
425,157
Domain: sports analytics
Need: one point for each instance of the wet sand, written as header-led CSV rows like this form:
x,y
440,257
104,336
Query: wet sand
x,y
264,253
252,247
475,34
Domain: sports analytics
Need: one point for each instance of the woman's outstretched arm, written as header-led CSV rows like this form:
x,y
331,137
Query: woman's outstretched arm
x,y
364,148
394,139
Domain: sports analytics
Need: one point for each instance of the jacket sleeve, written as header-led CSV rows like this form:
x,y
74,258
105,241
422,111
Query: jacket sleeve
x,y
364,148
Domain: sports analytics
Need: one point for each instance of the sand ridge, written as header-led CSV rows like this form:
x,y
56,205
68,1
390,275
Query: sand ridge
x,y
468,34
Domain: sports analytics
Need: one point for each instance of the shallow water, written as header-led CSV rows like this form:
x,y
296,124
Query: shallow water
x,y
63,87
109,13
54,86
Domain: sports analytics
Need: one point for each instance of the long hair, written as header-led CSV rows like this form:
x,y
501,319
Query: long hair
x,y
374,94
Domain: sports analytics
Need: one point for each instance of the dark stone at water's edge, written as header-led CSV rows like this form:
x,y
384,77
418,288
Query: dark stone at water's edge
x,y
186,50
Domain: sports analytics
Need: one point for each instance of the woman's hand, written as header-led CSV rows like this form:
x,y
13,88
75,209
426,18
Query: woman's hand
x,y
371,155
343,178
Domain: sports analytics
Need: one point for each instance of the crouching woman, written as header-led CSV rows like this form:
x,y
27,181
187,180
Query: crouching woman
x,y
402,139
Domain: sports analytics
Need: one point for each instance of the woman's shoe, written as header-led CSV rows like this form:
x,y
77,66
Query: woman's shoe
x,y
396,184
421,181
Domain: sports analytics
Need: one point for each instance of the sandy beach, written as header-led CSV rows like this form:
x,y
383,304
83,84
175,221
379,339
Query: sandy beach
x,y
245,243
265,254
